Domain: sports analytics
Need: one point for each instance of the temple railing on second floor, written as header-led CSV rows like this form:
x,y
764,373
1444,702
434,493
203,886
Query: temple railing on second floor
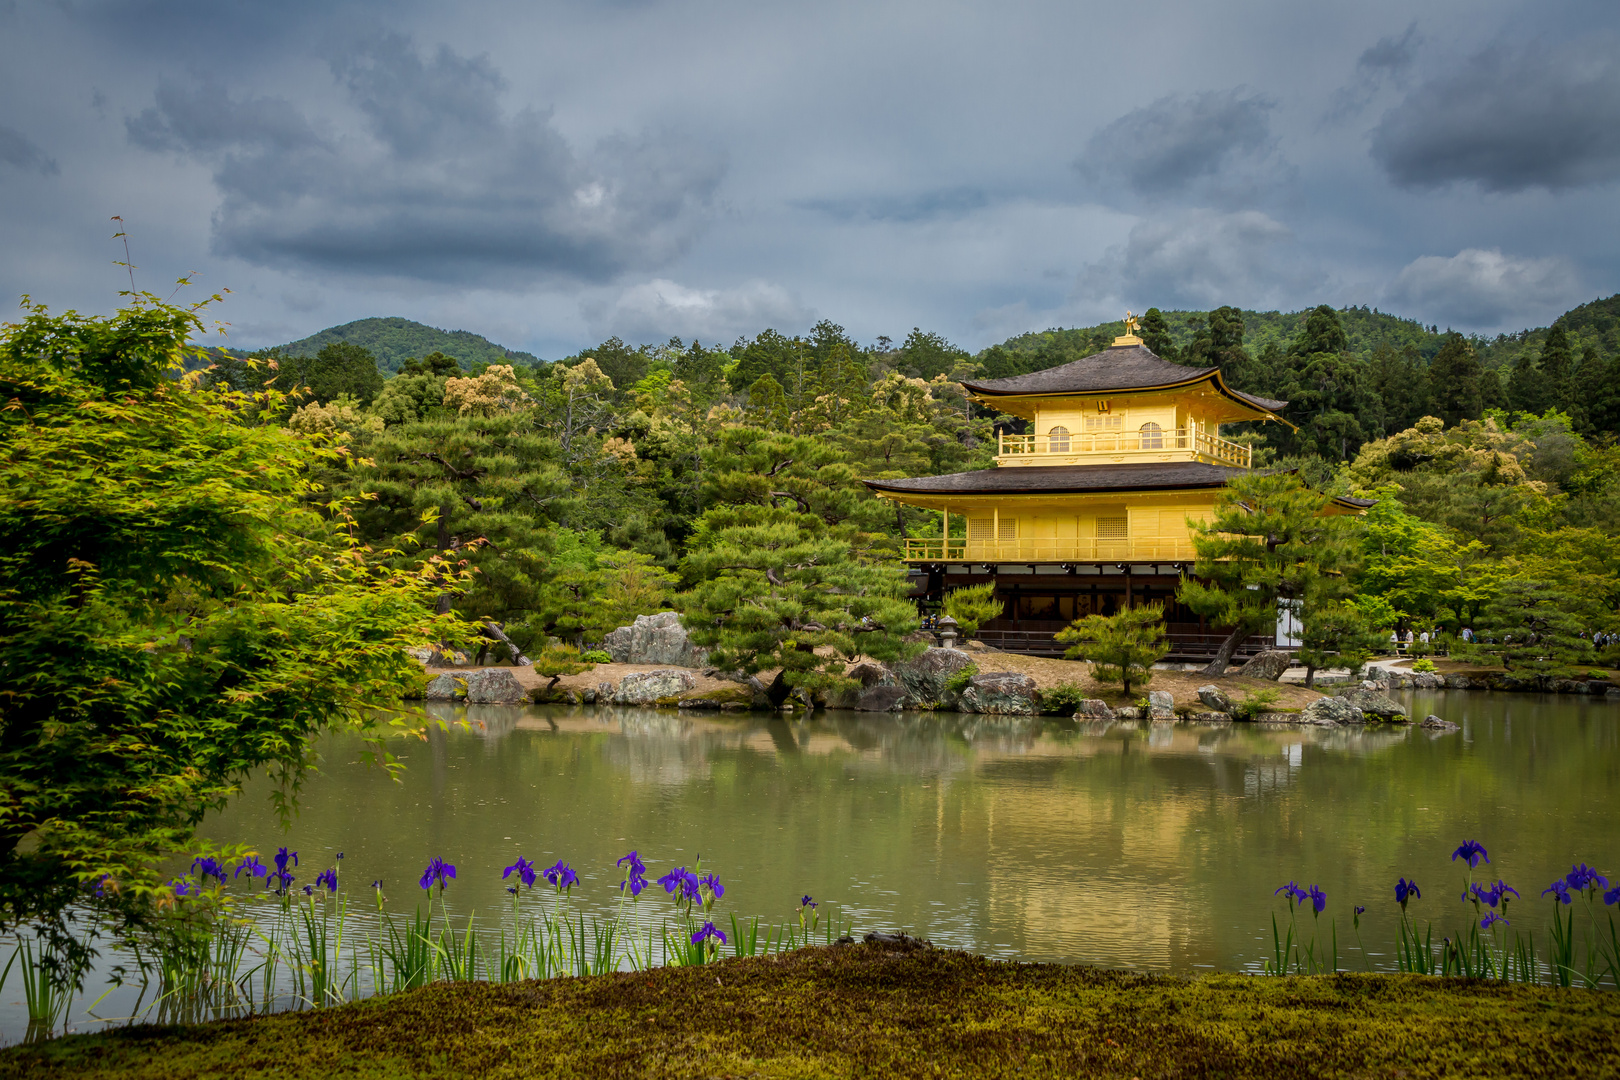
x,y
1114,443
1101,549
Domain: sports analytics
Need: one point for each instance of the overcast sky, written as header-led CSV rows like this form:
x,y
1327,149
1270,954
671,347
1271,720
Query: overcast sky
x,y
548,174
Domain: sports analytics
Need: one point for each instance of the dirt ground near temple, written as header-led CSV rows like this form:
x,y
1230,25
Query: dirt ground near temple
x,y
1183,685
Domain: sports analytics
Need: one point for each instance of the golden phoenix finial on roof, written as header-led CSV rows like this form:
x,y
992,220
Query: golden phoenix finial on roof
x,y
1132,323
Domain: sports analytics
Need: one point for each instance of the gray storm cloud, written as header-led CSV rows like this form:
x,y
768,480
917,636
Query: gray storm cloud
x,y
438,184
21,152
1170,146
1483,288
1510,119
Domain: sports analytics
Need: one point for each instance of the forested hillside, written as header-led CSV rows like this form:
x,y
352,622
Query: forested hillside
x,y
394,340
597,486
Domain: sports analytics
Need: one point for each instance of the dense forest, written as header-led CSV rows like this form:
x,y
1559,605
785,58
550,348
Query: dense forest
x,y
583,489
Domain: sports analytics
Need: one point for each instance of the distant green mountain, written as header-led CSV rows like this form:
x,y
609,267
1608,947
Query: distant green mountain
x,y
1596,324
395,340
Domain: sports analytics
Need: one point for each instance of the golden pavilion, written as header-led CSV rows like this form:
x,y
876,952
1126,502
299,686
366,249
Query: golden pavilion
x,y
1087,512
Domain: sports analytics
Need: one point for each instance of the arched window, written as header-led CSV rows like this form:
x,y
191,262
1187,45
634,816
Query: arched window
x,y
1057,440
1152,436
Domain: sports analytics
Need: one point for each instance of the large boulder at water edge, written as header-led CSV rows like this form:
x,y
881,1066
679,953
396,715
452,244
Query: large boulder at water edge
x,y
1331,712
1268,665
1093,709
1006,692
647,687
1376,705
1434,723
1161,705
495,686
876,686
655,639
924,677
446,688
1215,698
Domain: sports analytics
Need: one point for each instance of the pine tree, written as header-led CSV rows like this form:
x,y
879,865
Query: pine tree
x,y
776,589
1557,370
1156,335
973,606
1122,648
1529,627
1271,539
1454,379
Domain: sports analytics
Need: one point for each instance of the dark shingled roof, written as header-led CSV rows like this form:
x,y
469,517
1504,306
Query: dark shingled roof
x,y
1120,367
1063,479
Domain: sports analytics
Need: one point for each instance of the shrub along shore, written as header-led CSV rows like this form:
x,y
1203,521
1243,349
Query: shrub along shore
x,y
887,1008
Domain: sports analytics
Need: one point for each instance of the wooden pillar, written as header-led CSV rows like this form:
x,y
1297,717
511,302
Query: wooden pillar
x,y
945,530
1128,604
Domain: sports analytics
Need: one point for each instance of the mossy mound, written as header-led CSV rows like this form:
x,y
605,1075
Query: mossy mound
x,y
887,1011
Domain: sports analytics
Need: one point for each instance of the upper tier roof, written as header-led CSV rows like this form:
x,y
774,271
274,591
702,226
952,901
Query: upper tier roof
x,y
1118,368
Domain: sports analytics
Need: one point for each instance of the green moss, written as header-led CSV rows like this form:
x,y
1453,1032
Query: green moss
x,y
869,1010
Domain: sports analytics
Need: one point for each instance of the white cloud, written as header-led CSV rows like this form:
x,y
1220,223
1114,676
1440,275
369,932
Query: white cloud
x,y
658,309
1479,289
1199,259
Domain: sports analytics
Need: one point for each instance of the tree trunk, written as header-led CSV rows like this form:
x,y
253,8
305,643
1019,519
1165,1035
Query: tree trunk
x,y
1223,655
492,630
1310,677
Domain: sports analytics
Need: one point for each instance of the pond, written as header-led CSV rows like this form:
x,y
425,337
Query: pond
x,y
1156,848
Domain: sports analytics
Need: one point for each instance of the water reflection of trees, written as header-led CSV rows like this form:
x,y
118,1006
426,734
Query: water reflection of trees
x,y
670,746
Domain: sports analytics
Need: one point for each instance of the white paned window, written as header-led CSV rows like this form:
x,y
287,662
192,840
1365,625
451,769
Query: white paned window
x,y
1057,440
981,528
1152,436
1113,528
1009,529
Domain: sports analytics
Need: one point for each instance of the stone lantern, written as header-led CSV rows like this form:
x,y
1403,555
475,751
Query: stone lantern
x,y
947,633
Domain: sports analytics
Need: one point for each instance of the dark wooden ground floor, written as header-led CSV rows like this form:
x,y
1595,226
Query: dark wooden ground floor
x,y
1039,601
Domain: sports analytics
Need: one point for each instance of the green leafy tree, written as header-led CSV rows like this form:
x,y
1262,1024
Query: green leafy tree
x,y
767,404
434,363
1271,539
1336,633
925,355
176,614
1530,628
772,589
1122,648
973,606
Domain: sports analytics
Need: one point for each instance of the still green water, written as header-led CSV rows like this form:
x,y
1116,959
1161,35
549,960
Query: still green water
x,y
1122,845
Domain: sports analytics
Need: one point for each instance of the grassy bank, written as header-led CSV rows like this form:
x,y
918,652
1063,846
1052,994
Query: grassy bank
x,y
872,1010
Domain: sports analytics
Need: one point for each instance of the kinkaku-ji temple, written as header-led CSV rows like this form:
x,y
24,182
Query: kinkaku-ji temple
x,y
1087,513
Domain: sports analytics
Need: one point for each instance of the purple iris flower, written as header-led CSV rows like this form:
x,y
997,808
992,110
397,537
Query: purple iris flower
x,y
253,866
635,882
282,880
1360,910
283,857
1490,920
309,890
636,865
182,889
437,871
327,878
805,901
1318,899
1472,851
681,884
208,868
1583,877
710,883
1292,892
1612,896
709,930
1560,891
1406,890
525,872
561,875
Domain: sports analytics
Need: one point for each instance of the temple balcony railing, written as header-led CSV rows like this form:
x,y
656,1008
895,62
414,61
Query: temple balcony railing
x,y
1097,550
1172,444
